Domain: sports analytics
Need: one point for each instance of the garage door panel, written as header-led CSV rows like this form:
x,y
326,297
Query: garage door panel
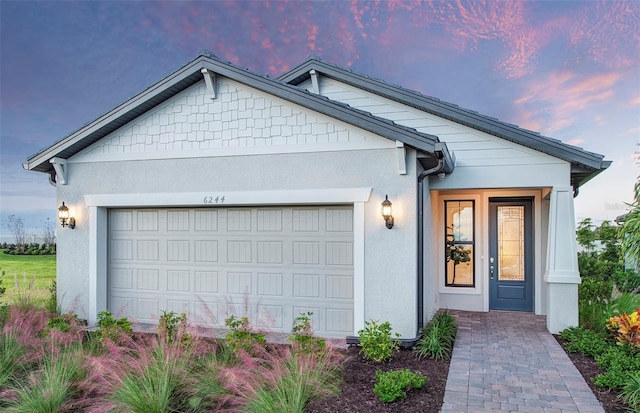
x,y
270,264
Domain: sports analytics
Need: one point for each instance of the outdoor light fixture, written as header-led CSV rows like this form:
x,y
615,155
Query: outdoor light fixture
x,y
386,212
65,219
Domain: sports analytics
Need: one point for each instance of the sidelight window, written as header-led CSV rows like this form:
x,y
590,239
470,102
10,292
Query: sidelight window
x,y
459,243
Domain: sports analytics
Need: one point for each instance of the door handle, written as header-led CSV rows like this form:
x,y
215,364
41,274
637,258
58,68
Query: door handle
x,y
491,267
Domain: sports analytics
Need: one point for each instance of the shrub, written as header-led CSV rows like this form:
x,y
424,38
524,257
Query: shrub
x,y
153,388
618,362
172,328
594,295
109,326
393,385
302,336
52,301
626,328
376,342
627,281
281,380
241,334
51,388
438,337
583,341
11,353
630,392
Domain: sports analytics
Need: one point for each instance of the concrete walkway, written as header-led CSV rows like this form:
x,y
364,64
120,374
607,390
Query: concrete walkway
x,y
509,362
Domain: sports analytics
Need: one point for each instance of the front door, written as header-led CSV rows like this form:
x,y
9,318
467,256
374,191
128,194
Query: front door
x,y
510,254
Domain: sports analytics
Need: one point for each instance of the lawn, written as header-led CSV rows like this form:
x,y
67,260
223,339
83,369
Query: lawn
x,y
27,276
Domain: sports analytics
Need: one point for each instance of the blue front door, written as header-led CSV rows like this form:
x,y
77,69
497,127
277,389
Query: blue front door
x,y
511,254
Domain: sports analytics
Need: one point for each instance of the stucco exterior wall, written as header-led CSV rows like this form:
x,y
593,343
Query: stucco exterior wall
x,y
390,255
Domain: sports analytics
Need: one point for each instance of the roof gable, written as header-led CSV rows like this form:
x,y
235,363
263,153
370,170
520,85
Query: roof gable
x,y
190,74
584,165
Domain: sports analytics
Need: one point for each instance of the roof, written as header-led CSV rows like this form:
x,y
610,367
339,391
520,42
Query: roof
x,y
584,165
190,74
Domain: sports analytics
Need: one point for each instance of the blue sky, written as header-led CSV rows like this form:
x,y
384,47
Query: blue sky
x,y
567,69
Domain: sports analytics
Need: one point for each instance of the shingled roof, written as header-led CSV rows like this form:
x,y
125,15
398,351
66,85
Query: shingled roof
x,y
584,165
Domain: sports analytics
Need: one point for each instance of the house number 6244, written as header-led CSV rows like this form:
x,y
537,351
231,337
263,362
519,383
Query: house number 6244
x,y
211,200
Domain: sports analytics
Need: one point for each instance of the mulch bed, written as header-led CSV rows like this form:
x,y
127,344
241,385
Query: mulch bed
x,y
589,370
358,376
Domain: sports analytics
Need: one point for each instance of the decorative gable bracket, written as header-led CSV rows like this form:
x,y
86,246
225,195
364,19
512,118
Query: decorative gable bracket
x,y
210,82
402,158
60,166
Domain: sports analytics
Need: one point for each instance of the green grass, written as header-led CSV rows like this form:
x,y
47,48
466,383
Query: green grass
x,y
27,276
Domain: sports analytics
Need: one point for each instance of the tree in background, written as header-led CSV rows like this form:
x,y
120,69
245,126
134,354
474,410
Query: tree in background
x,y
602,257
49,232
631,230
16,226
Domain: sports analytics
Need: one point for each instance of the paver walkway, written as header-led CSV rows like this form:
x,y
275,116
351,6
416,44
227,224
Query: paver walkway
x,y
508,362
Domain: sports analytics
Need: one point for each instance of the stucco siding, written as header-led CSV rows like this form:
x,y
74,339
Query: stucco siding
x,y
390,255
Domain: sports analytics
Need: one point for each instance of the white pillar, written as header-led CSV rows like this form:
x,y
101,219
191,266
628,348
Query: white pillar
x,y
561,273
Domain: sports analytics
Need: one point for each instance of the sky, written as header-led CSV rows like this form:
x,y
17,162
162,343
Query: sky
x,y
567,69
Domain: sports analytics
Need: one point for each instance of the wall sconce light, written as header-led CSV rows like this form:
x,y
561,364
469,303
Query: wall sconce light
x,y
387,212
65,219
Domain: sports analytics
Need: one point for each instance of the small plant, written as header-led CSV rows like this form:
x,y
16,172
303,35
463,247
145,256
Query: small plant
x,y
52,387
155,387
241,335
393,385
376,342
617,362
63,322
583,341
438,337
10,354
173,328
52,301
109,326
626,328
4,307
630,393
302,336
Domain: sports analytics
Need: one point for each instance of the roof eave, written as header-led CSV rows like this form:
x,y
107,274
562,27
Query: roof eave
x,y
189,75
452,112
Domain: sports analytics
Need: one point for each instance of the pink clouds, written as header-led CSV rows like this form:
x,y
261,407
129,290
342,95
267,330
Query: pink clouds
x,y
557,100
609,33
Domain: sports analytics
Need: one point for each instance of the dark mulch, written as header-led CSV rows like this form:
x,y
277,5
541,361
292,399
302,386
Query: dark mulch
x,y
358,376
589,370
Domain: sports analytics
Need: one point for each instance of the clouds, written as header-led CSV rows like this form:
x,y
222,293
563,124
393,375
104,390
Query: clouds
x,y
568,69
608,32
556,101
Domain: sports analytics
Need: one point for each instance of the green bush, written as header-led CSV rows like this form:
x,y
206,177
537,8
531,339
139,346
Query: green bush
x,y
630,393
109,326
172,328
438,337
63,322
593,296
618,362
583,341
302,336
393,385
241,335
376,342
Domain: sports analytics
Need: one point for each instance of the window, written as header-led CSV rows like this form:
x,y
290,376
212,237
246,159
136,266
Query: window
x,y
459,243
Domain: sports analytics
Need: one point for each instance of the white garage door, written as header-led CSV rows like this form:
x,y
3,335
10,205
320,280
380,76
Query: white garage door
x,y
271,264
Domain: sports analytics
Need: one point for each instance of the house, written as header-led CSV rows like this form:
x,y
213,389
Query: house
x,y
218,192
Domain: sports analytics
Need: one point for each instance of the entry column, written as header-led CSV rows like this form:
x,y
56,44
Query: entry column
x,y
561,274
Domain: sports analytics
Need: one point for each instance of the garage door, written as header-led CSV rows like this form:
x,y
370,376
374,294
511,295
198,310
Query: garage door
x,y
270,264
